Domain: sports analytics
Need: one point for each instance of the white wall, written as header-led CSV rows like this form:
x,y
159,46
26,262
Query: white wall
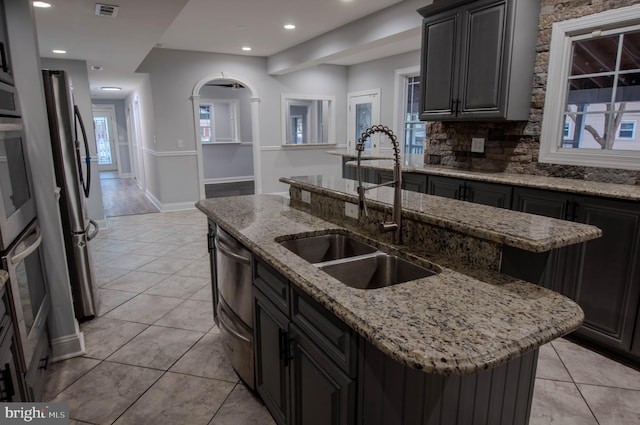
x,y
175,73
123,136
77,71
66,338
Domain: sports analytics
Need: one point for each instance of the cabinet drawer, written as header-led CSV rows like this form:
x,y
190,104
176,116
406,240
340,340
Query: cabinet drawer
x,y
331,334
274,286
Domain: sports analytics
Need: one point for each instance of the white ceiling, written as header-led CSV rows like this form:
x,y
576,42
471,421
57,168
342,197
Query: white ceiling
x,y
120,44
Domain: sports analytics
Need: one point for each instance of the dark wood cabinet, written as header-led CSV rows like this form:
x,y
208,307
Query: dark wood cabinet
x,y
11,388
305,357
602,275
414,182
477,59
491,194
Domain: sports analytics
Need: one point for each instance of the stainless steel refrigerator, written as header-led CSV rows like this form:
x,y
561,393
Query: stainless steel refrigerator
x,y
73,176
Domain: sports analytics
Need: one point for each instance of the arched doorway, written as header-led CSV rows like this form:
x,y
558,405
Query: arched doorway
x,y
216,93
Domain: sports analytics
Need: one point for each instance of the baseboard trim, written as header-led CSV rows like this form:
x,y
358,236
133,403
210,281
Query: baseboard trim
x,y
176,206
68,346
219,180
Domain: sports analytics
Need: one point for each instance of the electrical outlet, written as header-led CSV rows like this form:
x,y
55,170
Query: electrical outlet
x,y
180,143
351,210
477,144
306,196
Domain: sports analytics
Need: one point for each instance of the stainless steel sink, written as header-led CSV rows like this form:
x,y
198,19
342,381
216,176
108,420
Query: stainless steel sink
x,y
375,271
329,247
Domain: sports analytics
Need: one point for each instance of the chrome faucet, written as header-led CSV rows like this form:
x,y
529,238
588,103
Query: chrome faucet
x,y
396,224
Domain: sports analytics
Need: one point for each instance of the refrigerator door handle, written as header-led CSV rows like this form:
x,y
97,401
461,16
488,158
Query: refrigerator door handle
x,y
95,232
85,187
15,259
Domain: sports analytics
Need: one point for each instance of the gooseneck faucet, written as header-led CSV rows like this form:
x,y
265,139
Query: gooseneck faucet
x,y
396,224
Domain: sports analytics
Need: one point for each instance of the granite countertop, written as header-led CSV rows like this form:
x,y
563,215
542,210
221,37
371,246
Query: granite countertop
x,y
460,321
415,164
512,228
4,278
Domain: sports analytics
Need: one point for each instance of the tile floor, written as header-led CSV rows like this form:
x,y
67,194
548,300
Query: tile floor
x,y
154,356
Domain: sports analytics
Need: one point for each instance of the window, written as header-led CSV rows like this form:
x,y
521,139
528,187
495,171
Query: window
x,y
593,91
627,130
307,120
414,129
218,121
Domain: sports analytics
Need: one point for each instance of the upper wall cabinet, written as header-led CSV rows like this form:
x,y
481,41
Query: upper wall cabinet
x,y
478,59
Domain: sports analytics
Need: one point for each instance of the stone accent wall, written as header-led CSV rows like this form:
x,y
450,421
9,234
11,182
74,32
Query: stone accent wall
x,y
513,146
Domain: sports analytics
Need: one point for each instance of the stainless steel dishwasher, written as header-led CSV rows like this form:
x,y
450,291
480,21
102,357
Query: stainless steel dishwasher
x,y
234,274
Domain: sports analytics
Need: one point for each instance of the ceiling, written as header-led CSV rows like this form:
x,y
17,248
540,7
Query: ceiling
x,y
119,44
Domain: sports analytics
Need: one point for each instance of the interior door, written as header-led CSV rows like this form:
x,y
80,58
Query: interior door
x,y
105,130
364,111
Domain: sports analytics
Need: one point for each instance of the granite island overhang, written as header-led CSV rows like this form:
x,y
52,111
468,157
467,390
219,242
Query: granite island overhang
x,y
463,320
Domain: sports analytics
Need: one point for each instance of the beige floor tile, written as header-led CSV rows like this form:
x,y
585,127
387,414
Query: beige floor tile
x,y
207,359
158,249
131,261
193,250
588,367
559,403
156,347
105,274
144,308
178,286
204,294
109,299
178,399
103,336
550,366
199,268
64,373
135,281
101,395
166,265
612,406
191,314
242,408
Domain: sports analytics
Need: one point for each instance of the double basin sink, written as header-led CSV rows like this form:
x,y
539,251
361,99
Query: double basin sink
x,y
353,262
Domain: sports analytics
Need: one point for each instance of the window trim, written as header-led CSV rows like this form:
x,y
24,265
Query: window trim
x,y
559,62
235,111
632,129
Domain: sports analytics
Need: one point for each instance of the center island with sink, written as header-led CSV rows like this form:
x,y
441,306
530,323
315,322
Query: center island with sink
x,y
350,328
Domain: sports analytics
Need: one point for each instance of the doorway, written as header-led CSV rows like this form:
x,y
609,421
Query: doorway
x,y
363,111
106,132
225,113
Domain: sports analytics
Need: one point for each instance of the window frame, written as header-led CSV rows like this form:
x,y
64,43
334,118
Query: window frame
x,y
632,129
234,113
400,121
551,151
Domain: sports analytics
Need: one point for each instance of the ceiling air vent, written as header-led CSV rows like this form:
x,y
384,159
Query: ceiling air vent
x,y
110,10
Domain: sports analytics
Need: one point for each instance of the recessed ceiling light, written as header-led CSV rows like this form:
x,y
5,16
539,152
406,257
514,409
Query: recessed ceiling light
x,y
289,27
42,4
110,88
246,48
59,51
96,68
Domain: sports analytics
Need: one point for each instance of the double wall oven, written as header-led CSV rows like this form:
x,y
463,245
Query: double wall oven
x,y
20,254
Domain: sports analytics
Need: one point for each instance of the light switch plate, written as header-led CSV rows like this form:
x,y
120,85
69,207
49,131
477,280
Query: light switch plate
x,y
306,196
351,210
477,144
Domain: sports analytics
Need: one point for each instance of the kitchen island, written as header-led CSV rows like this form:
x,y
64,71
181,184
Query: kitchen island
x,y
460,339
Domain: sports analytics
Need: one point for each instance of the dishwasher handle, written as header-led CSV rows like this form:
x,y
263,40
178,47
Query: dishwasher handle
x,y
226,251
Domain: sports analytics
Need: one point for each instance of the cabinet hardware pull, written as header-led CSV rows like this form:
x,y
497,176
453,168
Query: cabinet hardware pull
x,y
457,106
284,346
46,363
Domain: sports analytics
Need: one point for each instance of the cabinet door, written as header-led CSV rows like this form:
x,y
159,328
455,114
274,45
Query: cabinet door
x,y
446,187
271,357
322,393
482,71
10,376
414,182
495,195
439,60
556,205
608,273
